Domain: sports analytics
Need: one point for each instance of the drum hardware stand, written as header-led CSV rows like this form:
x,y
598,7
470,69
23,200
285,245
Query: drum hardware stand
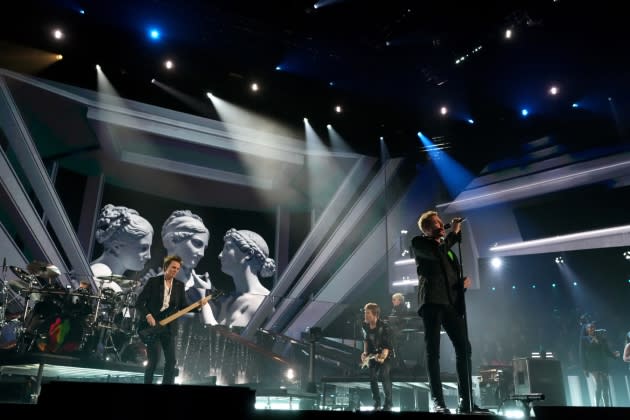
x,y
105,342
4,293
5,299
26,339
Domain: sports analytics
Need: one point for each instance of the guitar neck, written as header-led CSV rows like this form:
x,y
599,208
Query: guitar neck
x,y
179,313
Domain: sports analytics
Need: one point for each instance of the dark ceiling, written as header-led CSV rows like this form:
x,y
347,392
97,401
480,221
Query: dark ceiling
x,y
391,65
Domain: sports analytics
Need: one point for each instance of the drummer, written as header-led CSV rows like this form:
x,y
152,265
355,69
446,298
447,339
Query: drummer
x,y
48,298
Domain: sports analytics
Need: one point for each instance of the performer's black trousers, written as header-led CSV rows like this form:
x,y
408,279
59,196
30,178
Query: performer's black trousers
x,y
434,317
164,341
384,369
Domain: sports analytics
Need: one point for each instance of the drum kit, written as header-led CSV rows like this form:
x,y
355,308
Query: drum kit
x,y
99,324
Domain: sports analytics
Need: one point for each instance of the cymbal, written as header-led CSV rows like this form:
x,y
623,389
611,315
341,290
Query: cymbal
x,y
42,269
118,279
22,274
17,284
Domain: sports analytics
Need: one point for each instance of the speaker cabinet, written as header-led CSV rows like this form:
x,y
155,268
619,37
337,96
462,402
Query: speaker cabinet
x,y
540,376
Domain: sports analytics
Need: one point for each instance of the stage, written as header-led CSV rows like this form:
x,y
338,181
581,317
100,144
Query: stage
x,y
75,398
30,370
34,384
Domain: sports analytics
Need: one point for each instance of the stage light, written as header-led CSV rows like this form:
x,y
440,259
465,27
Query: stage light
x,y
575,105
402,244
471,121
328,126
57,34
553,90
444,110
524,112
98,67
254,87
496,262
59,57
559,260
493,288
209,95
508,33
81,11
405,281
305,119
278,68
152,80
626,255
338,109
553,285
154,34
575,283
168,64
290,374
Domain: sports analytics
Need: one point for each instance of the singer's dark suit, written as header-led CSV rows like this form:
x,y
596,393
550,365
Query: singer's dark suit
x,y
441,299
150,302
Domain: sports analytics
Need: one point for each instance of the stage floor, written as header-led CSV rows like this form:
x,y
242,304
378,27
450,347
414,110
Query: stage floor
x,y
78,382
67,367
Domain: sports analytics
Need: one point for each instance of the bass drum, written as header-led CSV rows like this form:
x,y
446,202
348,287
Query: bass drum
x,y
134,352
64,335
10,334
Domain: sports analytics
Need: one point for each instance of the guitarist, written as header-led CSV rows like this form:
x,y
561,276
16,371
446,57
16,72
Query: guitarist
x,y
161,296
378,346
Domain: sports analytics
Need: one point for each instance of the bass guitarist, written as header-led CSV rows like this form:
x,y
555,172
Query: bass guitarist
x,y
377,354
162,296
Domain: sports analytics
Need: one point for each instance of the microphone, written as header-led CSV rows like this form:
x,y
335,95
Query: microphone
x,y
457,219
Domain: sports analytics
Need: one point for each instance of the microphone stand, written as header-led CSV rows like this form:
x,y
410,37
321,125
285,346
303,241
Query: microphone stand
x,y
468,358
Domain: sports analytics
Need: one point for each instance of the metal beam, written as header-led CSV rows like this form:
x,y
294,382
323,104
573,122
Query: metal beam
x,y
26,152
329,217
196,134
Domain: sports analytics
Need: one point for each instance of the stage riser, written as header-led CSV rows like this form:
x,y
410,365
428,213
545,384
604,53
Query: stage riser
x,y
540,376
111,399
16,390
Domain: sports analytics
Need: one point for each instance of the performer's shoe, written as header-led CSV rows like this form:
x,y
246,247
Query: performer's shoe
x,y
387,406
377,406
440,407
466,409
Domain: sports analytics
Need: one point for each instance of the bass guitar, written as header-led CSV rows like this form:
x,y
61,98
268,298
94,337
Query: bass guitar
x,y
148,333
366,362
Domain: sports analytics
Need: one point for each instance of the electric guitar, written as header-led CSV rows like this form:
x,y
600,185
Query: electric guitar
x,y
147,333
366,362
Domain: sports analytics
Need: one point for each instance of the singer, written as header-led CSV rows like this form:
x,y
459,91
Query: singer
x,y
441,298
